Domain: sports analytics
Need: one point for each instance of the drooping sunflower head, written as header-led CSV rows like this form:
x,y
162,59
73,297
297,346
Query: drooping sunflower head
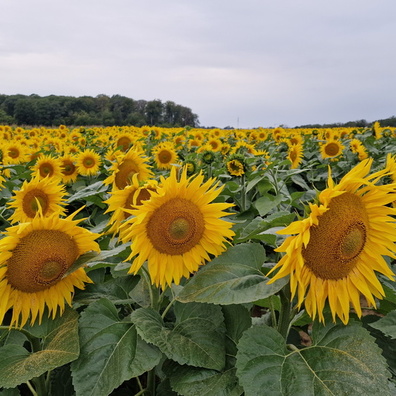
x,y
88,162
295,156
236,165
335,253
127,165
37,195
177,228
35,260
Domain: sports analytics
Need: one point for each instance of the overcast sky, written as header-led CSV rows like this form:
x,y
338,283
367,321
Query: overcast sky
x,y
235,63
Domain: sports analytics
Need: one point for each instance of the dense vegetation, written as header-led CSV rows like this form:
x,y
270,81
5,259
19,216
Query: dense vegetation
x,y
86,110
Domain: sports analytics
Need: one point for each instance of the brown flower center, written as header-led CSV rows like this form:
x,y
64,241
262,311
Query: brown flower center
x,y
176,226
337,241
40,260
32,200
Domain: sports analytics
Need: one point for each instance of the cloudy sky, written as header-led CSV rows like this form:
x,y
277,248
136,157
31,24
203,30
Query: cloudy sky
x,y
234,63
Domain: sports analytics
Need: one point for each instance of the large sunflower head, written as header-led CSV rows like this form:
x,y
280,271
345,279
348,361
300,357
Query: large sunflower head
x,y
37,195
177,228
335,253
35,260
127,165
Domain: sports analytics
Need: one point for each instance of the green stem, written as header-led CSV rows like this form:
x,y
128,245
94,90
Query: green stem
x,y
243,193
284,316
34,393
151,385
273,314
169,306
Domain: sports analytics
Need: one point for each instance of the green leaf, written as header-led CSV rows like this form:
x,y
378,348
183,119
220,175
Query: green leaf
x,y
88,191
115,289
266,203
111,351
237,319
386,325
343,360
59,346
235,277
197,339
193,381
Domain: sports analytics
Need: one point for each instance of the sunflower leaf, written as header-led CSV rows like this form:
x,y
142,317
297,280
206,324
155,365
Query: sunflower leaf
x,y
111,351
235,277
60,346
190,381
89,191
197,338
386,325
342,360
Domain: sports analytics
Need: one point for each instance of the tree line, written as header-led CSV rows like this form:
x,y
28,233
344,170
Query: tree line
x,y
385,122
53,110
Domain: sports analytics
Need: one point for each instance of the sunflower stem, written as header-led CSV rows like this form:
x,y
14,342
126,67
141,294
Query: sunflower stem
x,y
284,315
151,386
32,390
243,193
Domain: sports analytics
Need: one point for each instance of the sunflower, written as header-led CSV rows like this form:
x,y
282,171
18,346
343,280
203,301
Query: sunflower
x,y
69,168
125,166
47,165
336,251
88,162
45,195
177,228
295,155
236,165
130,196
164,155
35,258
331,149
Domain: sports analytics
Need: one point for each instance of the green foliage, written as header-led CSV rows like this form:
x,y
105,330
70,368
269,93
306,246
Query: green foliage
x,y
99,110
341,360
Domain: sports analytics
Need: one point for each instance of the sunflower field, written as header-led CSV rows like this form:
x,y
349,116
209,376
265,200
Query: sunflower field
x,y
191,261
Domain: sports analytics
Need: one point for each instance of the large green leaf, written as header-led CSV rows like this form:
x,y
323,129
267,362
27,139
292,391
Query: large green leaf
x,y
235,277
60,346
197,339
88,191
111,351
194,381
343,360
386,325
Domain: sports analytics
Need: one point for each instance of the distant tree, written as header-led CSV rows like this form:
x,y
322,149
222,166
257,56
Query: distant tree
x,y
153,112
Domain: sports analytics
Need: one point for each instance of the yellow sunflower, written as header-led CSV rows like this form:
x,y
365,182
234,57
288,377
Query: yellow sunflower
x,y
45,195
130,196
295,155
331,149
336,252
34,261
125,166
235,167
88,162
47,165
177,228
164,155
69,168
